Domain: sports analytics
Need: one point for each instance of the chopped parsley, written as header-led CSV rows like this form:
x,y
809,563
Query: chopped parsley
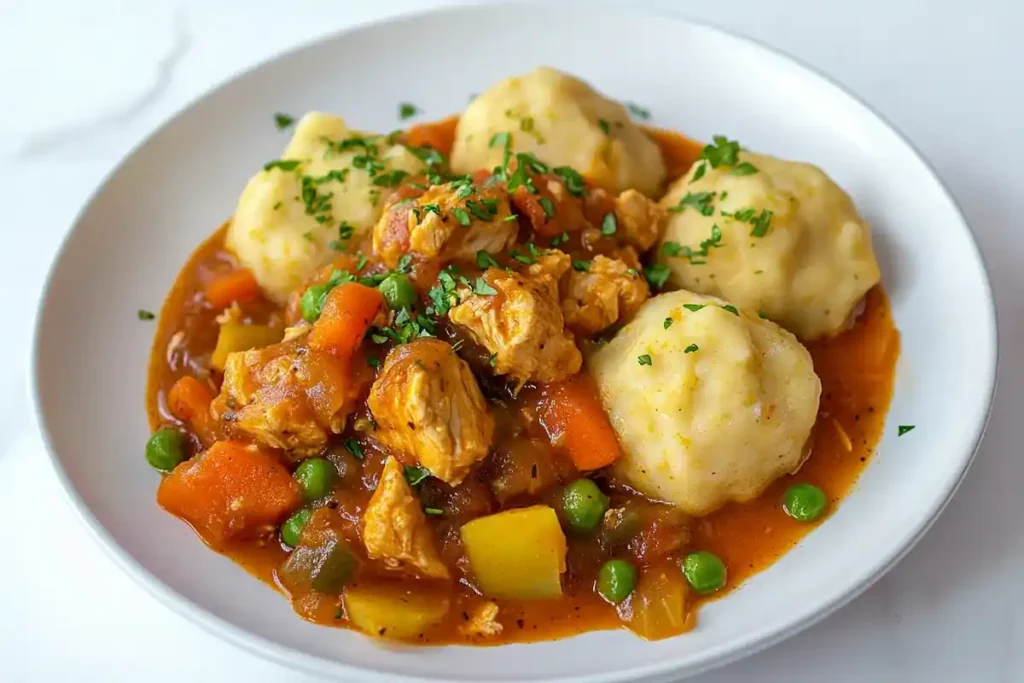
x,y
393,178
572,180
548,206
559,239
609,225
415,474
701,201
638,111
668,323
691,348
694,256
721,152
485,260
582,266
434,512
483,210
694,307
353,447
461,216
761,223
482,288
308,236
744,168
730,308
903,429
373,362
283,121
407,110
605,127
492,360
645,359
283,164
404,261
277,206
657,275
745,215
699,173
522,258
146,315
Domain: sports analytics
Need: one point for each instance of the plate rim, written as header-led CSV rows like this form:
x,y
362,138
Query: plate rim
x,y
290,658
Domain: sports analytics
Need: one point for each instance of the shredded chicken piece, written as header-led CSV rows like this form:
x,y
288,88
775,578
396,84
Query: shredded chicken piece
x,y
609,292
284,396
429,409
553,263
395,530
522,325
482,621
445,224
641,221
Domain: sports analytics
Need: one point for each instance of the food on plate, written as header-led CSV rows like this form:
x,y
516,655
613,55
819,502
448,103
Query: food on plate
x,y
481,382
564,122
342,179
775,237
723,406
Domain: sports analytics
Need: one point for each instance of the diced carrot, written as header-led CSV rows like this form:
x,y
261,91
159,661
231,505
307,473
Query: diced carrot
x,y
237,285
440,135
229,492
189,400
574,418
347,314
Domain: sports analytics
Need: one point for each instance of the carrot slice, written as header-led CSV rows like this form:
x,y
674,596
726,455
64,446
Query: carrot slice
x,y
237,285
347,314
231,491
440,135
189,400
574,418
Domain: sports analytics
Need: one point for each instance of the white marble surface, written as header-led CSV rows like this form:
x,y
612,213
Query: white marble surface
x,y
82,82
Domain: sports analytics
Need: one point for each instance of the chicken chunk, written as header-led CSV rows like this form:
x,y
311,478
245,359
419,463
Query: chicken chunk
x,y
429,410
395,530
522,325
553,262
446,223
640,220
482,621
609,292
284,396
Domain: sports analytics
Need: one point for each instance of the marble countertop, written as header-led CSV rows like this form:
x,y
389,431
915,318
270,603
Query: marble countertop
x,y
84,82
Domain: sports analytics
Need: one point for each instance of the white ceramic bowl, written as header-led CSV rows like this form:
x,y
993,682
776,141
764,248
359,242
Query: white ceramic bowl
x,y
128,244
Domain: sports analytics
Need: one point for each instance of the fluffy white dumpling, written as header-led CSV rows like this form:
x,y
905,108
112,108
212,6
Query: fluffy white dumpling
x,y
564,122
724,407
283,235
806,268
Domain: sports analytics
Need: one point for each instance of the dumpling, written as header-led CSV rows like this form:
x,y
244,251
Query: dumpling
x,y
291,211
776,237
564,122
710,403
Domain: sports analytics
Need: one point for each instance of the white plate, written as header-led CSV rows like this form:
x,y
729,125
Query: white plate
x,y
127,246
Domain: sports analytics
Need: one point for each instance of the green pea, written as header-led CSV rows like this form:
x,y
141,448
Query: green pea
x,y
804,502
315,476
584,505
291,530
704,571
398,290
616,580
165,449
313,302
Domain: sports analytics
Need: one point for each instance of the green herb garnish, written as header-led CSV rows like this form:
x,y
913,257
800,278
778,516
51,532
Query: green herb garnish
x,y
691,348
146,315
609,225
645,359
406,110
282,121
415,474
903,429
283,164
482,288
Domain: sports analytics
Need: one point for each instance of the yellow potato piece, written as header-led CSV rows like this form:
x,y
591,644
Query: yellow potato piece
x,y
517,554
390,611
657,608
242,337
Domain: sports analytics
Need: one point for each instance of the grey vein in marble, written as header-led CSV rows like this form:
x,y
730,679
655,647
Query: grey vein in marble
x,y
48,141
